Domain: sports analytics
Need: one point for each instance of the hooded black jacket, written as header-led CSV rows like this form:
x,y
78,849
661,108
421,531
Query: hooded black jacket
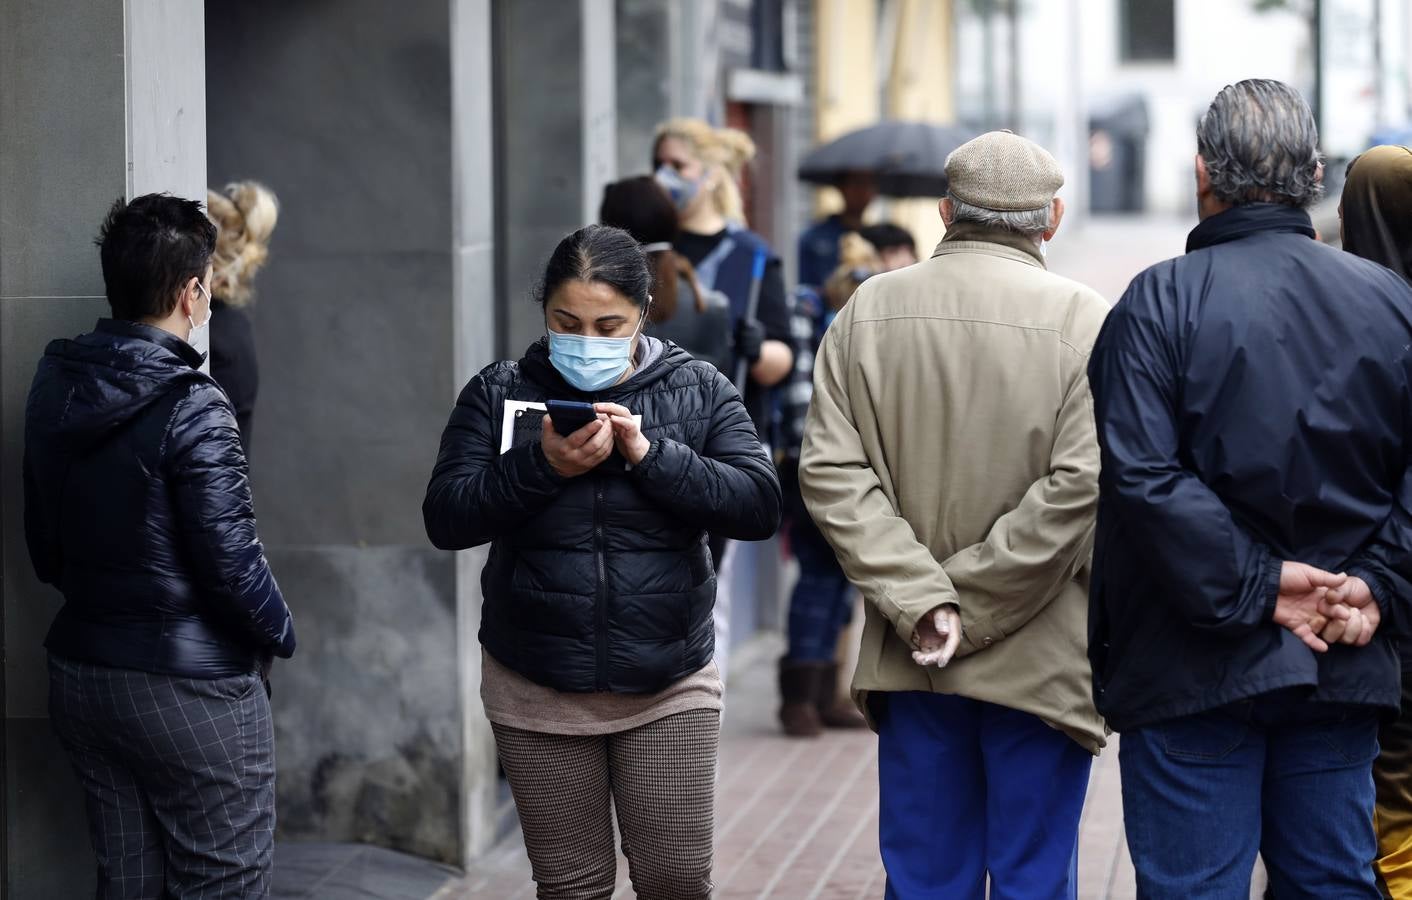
x,y
1254,405
602,582
137,508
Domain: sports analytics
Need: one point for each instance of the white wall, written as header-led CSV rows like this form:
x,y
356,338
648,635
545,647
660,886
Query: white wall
x,y
1219,42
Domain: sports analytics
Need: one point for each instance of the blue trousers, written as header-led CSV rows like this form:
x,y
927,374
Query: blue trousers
x,y
822,602
969,788
1289,779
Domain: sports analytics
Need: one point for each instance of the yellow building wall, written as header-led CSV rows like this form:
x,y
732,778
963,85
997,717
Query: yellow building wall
x,y
846,73
918,85
922,88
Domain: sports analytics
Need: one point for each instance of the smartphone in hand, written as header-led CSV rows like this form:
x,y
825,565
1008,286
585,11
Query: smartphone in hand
x,y
569,416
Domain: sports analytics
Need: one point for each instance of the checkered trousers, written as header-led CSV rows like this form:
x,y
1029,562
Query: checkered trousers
x,y
660,776
179,775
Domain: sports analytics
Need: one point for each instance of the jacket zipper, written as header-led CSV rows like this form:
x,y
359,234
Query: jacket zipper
x,y
599,552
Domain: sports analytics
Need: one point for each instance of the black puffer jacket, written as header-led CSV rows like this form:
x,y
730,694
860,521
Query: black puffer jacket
x,y
138,510
602,582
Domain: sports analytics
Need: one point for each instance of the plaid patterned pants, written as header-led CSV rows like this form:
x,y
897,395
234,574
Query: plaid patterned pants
x,y
179,775
660,776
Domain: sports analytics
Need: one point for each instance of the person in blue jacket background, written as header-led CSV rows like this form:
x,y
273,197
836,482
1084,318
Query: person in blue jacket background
x,y
818,245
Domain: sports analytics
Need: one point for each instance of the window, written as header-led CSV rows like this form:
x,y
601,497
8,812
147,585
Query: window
x,y
1147,30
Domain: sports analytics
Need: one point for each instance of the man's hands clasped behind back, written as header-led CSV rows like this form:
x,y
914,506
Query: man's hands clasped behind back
x,y
936,637
1322,608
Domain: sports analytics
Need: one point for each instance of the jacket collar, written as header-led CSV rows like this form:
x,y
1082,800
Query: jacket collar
x,y
1249,219
968,237
154,335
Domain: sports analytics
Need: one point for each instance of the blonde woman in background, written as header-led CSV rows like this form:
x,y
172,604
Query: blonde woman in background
x,y
699,165
245,214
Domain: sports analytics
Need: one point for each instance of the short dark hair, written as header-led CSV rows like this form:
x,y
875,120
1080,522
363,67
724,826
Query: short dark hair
x,y
1261,145
150,247
885,236
599,254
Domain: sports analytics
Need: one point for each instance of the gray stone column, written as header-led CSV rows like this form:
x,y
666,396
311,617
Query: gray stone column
x,y
98,100
556,140
370,121
475,313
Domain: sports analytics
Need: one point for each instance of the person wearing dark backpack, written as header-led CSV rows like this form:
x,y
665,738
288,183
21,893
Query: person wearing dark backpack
x,y
138,509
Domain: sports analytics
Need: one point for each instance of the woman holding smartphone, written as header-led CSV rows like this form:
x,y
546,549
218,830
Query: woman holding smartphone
x,y
598,675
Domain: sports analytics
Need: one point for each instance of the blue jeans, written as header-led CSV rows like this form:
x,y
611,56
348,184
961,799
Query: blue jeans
x,y
968,788
1289,779
822,602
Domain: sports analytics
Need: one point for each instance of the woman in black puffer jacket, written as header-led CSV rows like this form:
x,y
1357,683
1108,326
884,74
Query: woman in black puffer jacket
x,y
138,510
597,674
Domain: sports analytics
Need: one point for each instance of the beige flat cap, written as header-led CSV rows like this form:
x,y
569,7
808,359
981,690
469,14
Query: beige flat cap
x,y
1004,172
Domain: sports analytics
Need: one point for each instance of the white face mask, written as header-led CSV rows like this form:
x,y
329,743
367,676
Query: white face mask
x,y
200,337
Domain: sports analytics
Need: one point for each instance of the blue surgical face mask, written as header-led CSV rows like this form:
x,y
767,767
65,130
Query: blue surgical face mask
x,y
681,189
591,363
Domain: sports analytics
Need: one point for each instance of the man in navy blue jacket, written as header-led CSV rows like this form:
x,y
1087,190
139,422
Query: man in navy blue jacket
x,y
1254,409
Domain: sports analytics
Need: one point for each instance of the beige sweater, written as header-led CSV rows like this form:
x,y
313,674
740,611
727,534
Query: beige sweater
x,y
512,700
950,458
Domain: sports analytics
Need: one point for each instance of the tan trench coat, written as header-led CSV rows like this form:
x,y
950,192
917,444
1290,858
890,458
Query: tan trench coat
x,y
950,457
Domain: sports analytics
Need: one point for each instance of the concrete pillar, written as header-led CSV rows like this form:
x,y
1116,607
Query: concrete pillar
x,y
98,100
644,63
474,315
555,132
370,122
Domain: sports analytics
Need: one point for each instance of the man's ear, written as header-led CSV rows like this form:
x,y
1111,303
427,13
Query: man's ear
x,y
186,300
947,210
1203,178
1056,215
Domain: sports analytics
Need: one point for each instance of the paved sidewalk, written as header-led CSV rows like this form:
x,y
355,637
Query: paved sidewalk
x,y
797,820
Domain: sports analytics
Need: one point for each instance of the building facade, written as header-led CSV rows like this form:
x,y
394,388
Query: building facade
x,y
428,156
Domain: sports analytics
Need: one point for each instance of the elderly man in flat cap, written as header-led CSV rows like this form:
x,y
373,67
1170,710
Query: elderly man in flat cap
x,y
950,459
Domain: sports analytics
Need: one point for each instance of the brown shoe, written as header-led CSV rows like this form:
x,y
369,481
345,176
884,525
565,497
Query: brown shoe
x,y
835,711
799,713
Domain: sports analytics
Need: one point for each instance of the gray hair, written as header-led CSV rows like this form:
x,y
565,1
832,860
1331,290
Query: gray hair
x,y
1028,222
1260,144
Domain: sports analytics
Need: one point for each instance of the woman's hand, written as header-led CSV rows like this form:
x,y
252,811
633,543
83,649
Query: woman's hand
x,y
583,451
632,443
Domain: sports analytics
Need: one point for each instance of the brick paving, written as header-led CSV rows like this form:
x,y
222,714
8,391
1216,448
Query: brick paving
x,y
797,820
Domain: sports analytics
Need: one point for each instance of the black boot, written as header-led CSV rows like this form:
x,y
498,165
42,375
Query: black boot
x,y
799,713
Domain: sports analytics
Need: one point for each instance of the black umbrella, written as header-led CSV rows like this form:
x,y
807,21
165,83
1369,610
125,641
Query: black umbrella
x,y
908,158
